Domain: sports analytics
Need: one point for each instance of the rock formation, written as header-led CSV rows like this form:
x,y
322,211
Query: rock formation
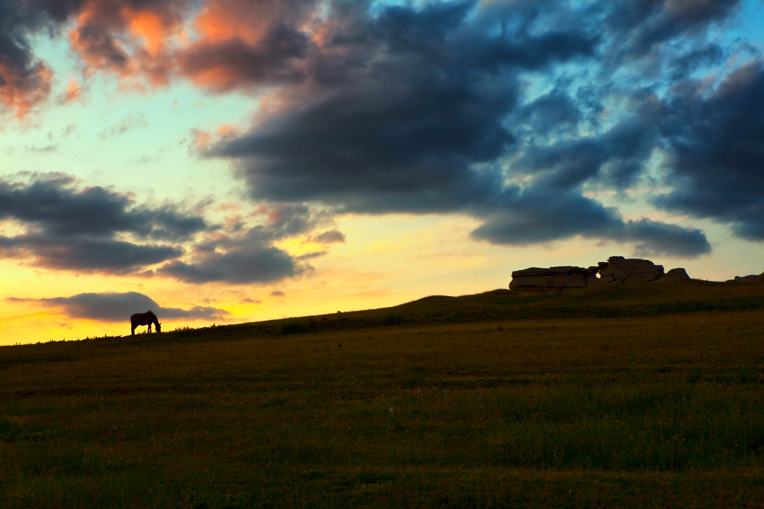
x,y
553,278
616,269
675,275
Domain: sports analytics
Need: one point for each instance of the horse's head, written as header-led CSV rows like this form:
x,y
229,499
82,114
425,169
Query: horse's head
x,y
159,327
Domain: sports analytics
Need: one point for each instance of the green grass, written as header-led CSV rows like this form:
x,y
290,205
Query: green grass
x,y
622,396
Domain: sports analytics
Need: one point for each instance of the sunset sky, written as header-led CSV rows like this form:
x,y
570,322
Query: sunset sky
x,y
227,161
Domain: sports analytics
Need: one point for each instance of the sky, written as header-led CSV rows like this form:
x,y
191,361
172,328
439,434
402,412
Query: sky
x,y
228,161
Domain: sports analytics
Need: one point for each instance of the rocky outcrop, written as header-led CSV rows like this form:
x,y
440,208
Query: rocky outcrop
x,y
675,275
616,269
536,279
748,279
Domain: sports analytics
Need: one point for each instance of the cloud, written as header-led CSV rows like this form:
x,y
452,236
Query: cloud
x,y
654,238
51,202
534,216
423,122
265,265
234,63
635,27
129,123
77,229
509,112
127,37
117,307
249,258
25,82
287,219
131,38
615,158
97,230
79,254
42,149
715,150
329,237
549,114
222,20
399,132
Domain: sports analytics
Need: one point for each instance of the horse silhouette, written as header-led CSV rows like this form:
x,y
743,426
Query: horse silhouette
x,y
146,318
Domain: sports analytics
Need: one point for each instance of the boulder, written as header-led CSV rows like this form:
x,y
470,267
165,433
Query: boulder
x,y
629,270
675,275
537,279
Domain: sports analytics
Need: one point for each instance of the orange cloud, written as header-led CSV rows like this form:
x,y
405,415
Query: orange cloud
x,y
148,26
222,20
93,39
227,131
201,140
72,93
242,44
24,89
132,42
219,78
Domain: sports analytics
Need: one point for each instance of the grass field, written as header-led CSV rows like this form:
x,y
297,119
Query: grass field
x,y
642,395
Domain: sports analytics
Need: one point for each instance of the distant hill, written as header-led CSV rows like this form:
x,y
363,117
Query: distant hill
x,y
603,301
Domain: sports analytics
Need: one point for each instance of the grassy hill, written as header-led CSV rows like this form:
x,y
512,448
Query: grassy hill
x,y
619,395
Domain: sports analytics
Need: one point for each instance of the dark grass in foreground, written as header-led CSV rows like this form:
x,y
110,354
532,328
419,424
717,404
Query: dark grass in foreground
x,y
644,395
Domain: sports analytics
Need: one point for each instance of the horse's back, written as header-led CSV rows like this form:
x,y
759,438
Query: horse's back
x,y
140,318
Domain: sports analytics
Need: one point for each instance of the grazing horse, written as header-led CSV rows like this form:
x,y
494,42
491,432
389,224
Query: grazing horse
x,y
146,318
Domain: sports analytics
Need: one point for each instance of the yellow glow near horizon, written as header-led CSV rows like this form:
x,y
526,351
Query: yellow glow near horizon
x,y
385,261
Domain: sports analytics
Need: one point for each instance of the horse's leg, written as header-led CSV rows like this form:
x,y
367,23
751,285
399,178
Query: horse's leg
x,y
149,330
132,329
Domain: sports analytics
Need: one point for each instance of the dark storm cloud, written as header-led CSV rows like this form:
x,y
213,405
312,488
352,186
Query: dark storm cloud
x,y
685,63
234,63
441,108
421,125
715,143
653,238
85,254
117,307
73,229
635,27
25,81
52,204
615,157
57,10
550,114
400,133
535,216
237,260
362,151
265,265
14,49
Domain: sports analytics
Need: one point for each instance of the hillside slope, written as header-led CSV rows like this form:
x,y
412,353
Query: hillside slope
x,y
616,396
606,301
